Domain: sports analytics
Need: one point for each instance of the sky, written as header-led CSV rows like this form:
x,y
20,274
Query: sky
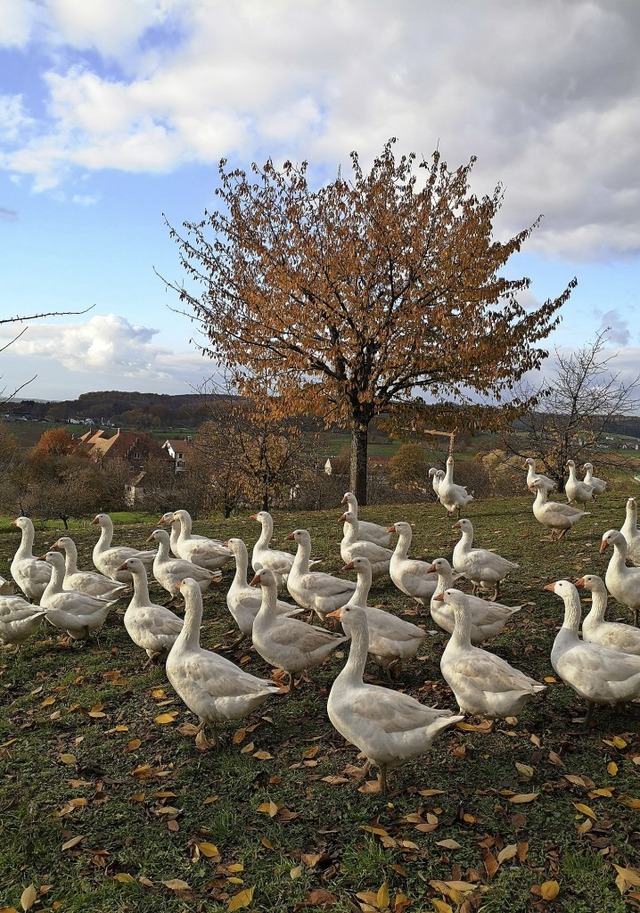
x,y
114,115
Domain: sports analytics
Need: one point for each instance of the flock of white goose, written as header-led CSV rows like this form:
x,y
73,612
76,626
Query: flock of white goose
x,y
387,725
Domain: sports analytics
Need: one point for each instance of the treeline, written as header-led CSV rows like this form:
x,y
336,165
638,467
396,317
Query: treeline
x,y
131,410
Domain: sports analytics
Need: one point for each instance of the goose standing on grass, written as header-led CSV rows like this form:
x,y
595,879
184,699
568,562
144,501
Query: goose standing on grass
x,y
107,557
287,643
391,639
533,476
243,600
577,492
314,590
630,531
153,628
485,569
79,614
212,687
175,527
170,571
411,576
596,630
598,485
208,553
19,619
598,674
555,515
622,582
262,555
487,618
29,572
452,497
483,684
91,582
352,546
387,726
371,532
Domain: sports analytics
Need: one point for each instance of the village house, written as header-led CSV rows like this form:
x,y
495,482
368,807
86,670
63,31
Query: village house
x,y
135,448
179,451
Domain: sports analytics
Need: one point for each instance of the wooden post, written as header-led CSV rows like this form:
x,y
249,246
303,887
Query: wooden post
x,y
450,434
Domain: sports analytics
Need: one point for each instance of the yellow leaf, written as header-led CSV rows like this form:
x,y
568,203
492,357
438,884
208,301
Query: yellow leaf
x,y
208,849
48,701
125,878
68,758
295,872
240,900
382,899
508,852
133,745
28,897
522,798
263,755
449,844
549,890
631,876
164,718
268,808
525,770
612,768
176,884
235,867
71,843
440,906
8,910
585,810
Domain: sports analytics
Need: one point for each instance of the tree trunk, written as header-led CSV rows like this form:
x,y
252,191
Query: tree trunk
x,y
358,462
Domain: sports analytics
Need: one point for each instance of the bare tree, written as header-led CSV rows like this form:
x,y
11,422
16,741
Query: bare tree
x,y
576,408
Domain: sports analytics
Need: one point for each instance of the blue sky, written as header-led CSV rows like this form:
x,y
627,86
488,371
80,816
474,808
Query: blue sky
x,y
114,112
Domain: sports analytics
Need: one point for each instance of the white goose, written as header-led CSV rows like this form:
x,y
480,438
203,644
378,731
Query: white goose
x,y
598,674
622,582
577,492
436,476
79,614
533,476
175,528
262,555
630,531
452,497
411,576
389,727
154,628
596,630
487,618
352,546
555,515
19,619
170,571
372,532
91,582
243,600
483,684
29,572
208,553
287,643
314,590
212,687
485,569
391,639
597,484
107,557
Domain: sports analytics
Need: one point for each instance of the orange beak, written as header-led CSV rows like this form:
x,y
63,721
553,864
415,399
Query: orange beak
x,y
603,546
336,614
550,586
580,583
255,581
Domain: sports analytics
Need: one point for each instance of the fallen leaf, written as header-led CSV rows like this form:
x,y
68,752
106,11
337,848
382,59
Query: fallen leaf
x,y
449,844
125,878
549,890
164,718
28,897
382,897
319,897
241,900
440,906
508,853
522,798
208,849
269,808
68,758
71,843
585,810
176,884
612,768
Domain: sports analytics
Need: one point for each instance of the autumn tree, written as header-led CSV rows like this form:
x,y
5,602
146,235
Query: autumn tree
x,y
355,296
576,407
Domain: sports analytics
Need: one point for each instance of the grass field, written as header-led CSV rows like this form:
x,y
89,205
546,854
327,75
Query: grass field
x,y
107,805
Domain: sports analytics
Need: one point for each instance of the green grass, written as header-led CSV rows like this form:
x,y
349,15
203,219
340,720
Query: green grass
x,y
82,756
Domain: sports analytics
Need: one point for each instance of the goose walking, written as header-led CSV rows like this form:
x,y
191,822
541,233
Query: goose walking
x,y
483,684
107,557
630,531
555,515
314,590
577,492
485,569
411,576
170,571
244,600
212,687
596,673
452,497
533,476
598,485
19,619
77,613
387,726
352,546
262,555
90,582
